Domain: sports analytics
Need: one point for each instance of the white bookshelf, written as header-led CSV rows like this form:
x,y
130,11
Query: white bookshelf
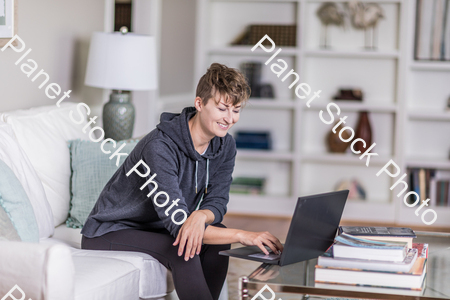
x,y
300,163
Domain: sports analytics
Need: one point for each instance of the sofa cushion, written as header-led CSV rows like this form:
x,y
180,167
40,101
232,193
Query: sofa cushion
x,y
7,229
42,132
41,271
99,278
15,202
14,156
91,170
155,280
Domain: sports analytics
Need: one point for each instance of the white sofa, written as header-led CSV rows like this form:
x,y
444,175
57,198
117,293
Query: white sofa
x,y
33,145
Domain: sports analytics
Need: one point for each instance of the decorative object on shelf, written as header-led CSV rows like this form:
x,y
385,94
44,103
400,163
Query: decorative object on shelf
x,y
356,190
252,71
363,131
248,185
253,140
366,16
329,13
334,142
432,41
349,94
282,35
121,61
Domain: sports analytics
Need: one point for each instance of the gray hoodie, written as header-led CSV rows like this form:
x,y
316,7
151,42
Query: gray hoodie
x,y
181,172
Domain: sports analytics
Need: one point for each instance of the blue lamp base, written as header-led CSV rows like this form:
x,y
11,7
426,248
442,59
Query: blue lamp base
x,y
118,116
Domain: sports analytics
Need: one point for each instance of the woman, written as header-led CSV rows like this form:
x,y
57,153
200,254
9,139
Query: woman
x,y
189,159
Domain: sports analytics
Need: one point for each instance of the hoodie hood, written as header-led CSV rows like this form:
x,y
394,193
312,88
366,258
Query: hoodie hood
x,y
176,126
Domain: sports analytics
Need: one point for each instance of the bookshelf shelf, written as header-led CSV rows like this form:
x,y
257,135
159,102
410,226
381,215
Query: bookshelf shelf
x,y
353,54
265,155
378,1
270,103
428,163
246,50
346,158
357,106
429,115
430,66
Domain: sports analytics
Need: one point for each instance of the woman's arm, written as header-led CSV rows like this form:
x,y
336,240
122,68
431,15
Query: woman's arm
x,y
217,235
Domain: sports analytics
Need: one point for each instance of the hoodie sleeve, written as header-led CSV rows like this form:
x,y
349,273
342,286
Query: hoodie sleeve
x,y
163,162
217,197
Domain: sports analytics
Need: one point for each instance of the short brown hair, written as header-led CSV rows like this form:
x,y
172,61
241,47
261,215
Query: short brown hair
x,y
228,82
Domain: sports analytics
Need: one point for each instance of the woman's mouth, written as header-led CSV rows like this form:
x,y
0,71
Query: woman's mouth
x,y
223,126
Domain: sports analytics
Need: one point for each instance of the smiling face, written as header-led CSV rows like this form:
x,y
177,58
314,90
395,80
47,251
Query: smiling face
x,y
217,116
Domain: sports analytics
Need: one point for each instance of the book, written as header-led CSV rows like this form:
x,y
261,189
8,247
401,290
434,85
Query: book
x,y
327,260
374,289
437,28
422,184
399,234
424,29
412,279
347,246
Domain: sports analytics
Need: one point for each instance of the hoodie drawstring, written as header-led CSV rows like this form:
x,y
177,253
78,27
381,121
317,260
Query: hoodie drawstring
x,y
196,167
207,179
207,175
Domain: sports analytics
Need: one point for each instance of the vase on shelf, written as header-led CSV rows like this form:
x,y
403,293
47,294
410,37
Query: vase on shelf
x,y
335,143
363,131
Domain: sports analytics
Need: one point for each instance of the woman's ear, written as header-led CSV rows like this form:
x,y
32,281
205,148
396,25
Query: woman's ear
x,y
198,103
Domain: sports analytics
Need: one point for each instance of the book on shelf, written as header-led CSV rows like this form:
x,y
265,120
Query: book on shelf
x,y
432,30
430,184
411,279
398,234
248,185
348,246
327,260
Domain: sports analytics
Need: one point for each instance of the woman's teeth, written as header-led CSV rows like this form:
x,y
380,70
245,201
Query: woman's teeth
x,y
222,125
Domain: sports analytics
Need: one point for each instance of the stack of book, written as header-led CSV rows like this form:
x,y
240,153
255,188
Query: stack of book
x,y
377,266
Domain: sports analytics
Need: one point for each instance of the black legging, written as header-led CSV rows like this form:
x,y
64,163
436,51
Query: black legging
x,y
199,278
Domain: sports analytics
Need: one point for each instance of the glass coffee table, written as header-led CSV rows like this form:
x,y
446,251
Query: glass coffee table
x,y
296,281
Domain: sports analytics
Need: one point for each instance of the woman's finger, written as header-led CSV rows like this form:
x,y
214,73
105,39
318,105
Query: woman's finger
x,y
276,241
182,244
177,240
268,243
187,253
199,245
261,246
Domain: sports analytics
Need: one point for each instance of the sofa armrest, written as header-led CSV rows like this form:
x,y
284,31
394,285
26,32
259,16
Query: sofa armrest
x,y
36,271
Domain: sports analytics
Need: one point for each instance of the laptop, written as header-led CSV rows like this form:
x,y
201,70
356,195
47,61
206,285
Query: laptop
x,y
311,232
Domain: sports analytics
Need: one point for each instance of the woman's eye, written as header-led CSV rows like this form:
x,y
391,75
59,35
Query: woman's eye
x,y
222,109
236,111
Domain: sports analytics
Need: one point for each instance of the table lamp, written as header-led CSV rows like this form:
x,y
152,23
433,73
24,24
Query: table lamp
x,y
123,62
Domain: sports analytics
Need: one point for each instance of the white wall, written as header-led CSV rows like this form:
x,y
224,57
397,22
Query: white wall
x,y
177,47
58,32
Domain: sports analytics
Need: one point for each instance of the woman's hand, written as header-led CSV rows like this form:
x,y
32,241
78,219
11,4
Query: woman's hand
x,y
249,238
191,234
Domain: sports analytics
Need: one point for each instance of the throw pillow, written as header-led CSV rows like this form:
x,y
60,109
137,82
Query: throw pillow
x,y
43,132
14,156
7,229
91,171
15,201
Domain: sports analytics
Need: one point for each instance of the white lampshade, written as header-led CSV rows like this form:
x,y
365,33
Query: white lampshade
x,y
122,62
